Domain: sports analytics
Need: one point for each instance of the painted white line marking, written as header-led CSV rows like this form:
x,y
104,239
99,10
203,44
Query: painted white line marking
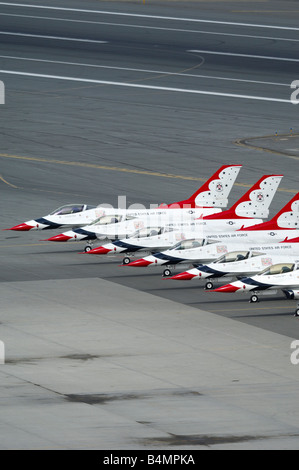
x,y
147,87
213,33
51,37
286,59
101,12
160,72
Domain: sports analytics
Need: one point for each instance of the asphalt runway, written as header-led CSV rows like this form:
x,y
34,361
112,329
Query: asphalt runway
x,y
108,99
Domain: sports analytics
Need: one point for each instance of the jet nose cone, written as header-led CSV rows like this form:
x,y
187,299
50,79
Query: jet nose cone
x,y
182,276
226,288
142,263
58,238
21,227
99,251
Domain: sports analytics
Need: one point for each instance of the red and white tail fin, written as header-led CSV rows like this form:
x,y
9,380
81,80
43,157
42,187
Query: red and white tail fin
x,y
215,192
286,219
255,203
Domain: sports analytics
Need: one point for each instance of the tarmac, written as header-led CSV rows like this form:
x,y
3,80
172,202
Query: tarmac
x,y
108,367
286,145
97,357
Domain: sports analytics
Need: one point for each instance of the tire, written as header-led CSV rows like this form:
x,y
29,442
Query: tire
x,y
254,299
166,273
296,313
87,248
126,260
209,285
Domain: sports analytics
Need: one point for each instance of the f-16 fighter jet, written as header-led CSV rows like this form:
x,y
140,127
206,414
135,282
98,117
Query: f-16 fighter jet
x,y
213,194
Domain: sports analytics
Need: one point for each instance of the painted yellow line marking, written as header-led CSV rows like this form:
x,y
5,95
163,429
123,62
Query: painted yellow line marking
x,y
101,167
9,184
124,170
33,244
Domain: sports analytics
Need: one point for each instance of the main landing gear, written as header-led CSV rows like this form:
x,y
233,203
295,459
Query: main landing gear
x,y
254,299
167,272
209,285
88,248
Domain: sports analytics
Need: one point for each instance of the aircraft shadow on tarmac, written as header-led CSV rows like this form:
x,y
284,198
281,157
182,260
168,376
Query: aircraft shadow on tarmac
x,y
243,301
265,315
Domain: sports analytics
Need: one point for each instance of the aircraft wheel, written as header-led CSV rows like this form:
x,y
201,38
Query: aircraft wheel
x,y
166,273
87,248
209,285
126,260
296,313
254,299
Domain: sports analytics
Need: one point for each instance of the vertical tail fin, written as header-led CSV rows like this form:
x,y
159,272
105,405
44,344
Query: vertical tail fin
x,y
215,192
255,203
286,219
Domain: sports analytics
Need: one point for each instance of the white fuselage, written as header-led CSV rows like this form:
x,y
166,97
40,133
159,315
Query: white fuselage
x,y
217,245
253,264
169,236
178,221
125,224
81,215
284,276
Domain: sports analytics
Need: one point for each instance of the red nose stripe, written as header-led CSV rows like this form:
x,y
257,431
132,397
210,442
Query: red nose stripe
x,y
182,276
142,263
227,288
21,228
100,250
59,238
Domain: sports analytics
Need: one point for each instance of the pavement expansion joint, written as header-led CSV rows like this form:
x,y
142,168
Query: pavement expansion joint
x,y
279,144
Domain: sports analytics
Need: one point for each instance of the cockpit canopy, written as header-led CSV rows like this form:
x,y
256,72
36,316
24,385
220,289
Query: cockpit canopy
x,y
192,243
236,256
112,219
150,232
71,209
147,232
281,268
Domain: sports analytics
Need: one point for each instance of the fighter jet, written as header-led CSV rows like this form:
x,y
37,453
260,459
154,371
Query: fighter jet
x,y
213,194
284,226
125,225
147,239
70,215
281,276
255,203
126,221
240,263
